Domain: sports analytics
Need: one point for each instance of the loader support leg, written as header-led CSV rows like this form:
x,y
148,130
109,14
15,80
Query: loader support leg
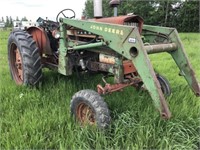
x,y
146,72
178,55
63,66
182,62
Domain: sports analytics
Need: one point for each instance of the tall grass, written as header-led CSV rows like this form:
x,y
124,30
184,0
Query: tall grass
x,y
40,119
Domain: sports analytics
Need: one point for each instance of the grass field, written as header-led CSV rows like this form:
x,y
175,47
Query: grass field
x,y
39,118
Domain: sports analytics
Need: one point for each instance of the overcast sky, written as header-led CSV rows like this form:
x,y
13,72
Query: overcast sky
x,y
33,9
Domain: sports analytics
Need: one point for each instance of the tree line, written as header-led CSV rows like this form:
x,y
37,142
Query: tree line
x,y
9,20
181,14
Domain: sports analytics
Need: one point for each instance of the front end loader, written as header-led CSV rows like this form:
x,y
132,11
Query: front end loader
x,y
117,47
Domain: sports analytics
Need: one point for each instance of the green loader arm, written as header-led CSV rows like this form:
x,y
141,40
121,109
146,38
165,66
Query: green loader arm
x,y
179,56
126,41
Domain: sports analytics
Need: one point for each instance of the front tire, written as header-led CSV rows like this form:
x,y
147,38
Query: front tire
x,y
164,83
88,107
165,86
24,58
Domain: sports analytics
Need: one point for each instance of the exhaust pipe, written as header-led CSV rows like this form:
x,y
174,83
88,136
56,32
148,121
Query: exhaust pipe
x,y
97,8
114,4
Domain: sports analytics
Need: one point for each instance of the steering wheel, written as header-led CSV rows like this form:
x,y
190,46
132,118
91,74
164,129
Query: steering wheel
x,y
62,12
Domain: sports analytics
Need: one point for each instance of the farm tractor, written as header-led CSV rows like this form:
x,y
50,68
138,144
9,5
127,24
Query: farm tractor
x,y
116,47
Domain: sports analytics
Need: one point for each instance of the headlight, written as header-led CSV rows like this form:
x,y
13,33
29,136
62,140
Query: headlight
x,y
57,35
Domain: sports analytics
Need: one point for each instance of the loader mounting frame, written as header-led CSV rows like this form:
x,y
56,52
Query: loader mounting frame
x,y
127,42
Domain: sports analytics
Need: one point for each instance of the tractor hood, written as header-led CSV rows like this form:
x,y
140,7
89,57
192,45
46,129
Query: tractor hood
x,y
130,20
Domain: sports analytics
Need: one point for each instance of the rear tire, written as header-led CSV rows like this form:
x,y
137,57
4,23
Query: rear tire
x,y
88,107
24,58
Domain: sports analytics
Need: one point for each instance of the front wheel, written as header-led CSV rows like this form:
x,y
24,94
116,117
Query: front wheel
x,y
24,58
164,83
88,107
165,86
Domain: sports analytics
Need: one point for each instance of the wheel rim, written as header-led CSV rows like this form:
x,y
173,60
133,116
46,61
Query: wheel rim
x,y
85,114
16,64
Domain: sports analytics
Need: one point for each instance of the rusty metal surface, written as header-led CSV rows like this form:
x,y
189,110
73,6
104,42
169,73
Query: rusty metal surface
x,y
121,20
110,88
114,3
125,40
41,40
159,48
18,64
128,67
178,55
85,114
195,84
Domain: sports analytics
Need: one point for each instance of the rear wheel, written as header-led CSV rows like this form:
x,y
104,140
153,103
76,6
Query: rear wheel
x,y
24,58
88,107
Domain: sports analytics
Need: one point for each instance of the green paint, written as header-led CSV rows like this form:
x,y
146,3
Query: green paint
x,y
118,70
121,39
179,55
128,43
87,46
62,65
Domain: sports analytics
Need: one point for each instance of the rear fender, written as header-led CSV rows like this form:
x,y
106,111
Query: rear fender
x,y
41,39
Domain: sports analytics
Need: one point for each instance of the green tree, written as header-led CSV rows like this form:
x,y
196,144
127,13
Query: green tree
x,y
24,19
2,19
88,12
141,8
17,18
188,17
7,22
180,14
165,12
10,22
